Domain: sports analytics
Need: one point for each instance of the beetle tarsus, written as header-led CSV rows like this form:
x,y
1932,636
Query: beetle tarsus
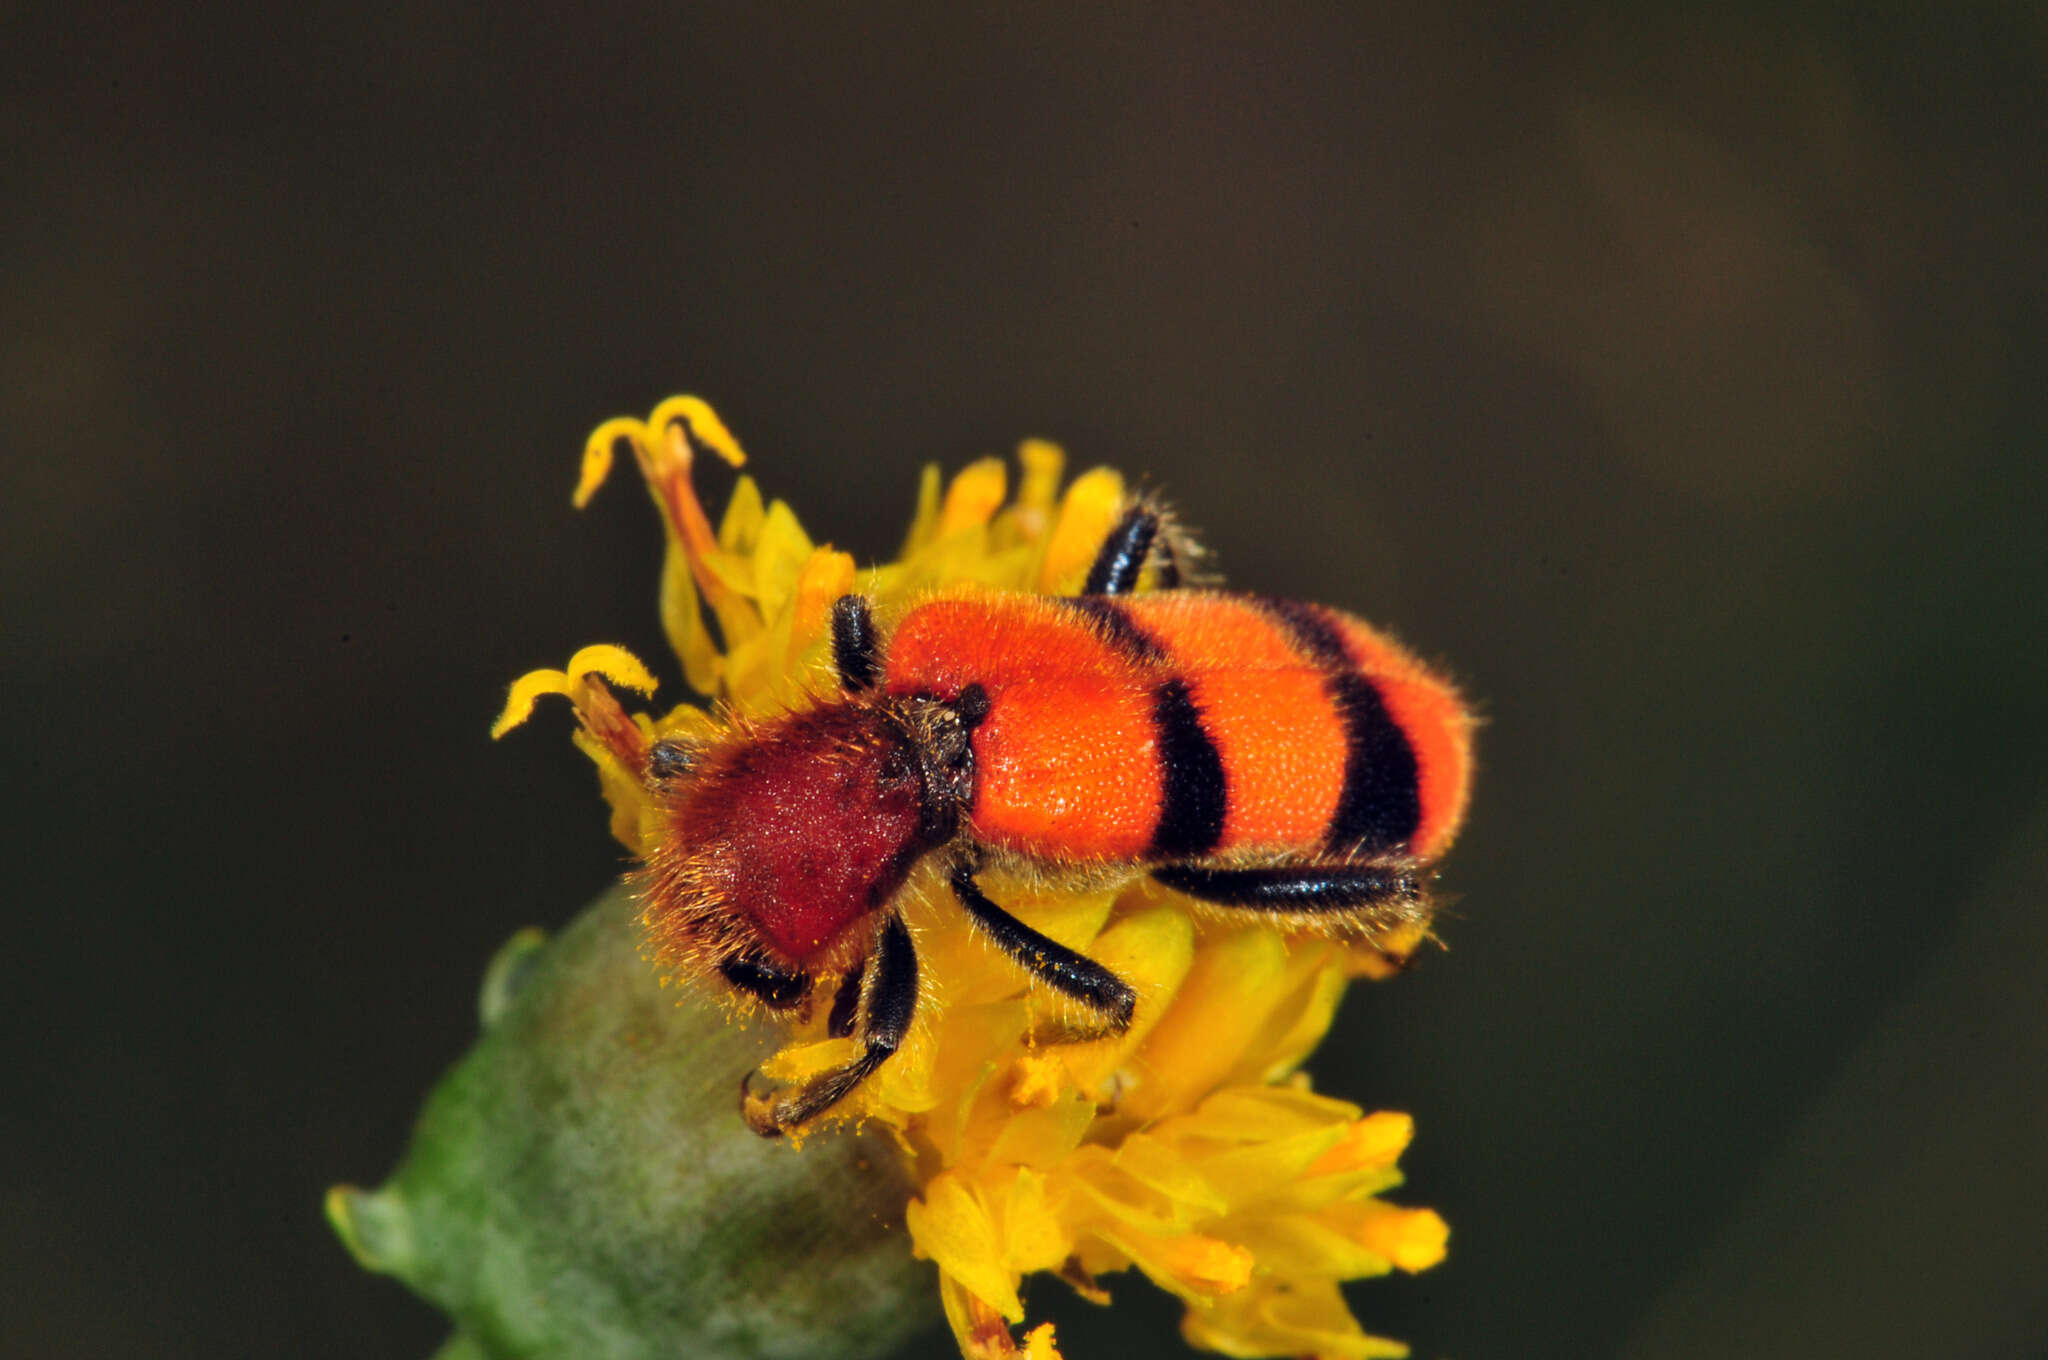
x,y
891,1002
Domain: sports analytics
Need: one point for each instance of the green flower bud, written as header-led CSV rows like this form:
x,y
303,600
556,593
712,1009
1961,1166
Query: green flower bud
x,y
582,1185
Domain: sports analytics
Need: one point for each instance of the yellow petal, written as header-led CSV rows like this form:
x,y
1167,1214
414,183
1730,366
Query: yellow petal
x,y
1298,1318
702,422
1090,509
615,664
1153,1164
597,454
526,692
976,491
1113,1202
924,521
1386,954
1261,1113
687,722
1152,950
905,1081
1032,1235
1413,1239
1301,1247
949,1225
623,791
1042,462
1375,1141
1190,1265
963,966
1041,1137
1270,1176
1222,1003
1299,1024
779,559
741,527
825,576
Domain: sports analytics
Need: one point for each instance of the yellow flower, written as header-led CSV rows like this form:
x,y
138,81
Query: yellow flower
x,y
1189,1147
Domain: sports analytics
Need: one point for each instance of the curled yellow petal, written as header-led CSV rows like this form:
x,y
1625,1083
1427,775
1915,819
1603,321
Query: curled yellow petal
x,y
681,420
615,664
597,454
526,692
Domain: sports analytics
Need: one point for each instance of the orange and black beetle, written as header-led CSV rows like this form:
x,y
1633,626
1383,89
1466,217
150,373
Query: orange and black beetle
x,y
1264,756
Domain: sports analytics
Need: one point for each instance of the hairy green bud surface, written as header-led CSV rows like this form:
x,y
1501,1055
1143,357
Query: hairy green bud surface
x,y
581,1184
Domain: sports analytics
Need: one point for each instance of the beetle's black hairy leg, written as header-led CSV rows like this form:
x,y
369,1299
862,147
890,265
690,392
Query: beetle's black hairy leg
x,y
856,651
1122,555
771,986
839,1022
890,1002
1058,967
1375,894
1142,534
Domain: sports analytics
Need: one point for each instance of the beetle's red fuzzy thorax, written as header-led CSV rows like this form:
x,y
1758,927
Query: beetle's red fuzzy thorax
x,y
786,834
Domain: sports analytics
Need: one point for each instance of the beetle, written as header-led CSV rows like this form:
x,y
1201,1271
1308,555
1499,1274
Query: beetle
x,y
1265,757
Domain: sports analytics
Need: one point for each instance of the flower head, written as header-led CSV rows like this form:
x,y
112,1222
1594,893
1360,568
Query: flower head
x,y
1189,1146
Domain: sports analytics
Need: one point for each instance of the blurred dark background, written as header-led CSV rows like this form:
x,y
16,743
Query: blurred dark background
x,y
1674,375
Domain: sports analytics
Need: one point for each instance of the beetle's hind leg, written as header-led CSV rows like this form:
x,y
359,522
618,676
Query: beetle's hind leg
x,y
1366,897
889,1002
1107,996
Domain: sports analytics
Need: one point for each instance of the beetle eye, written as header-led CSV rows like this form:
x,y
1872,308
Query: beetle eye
x,y
895,767
972,705
667,759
